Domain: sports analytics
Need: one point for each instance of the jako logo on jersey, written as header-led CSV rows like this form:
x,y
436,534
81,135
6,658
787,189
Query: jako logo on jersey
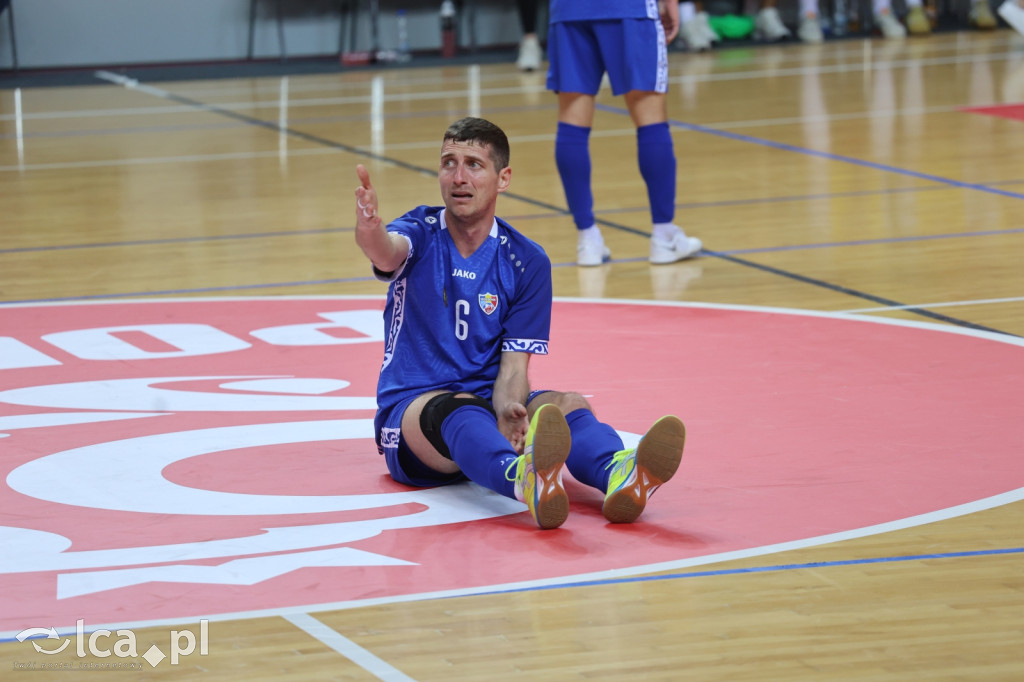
x,y
488,303
464,274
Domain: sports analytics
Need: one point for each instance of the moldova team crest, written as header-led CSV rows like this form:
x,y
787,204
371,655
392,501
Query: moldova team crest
x,y
488,303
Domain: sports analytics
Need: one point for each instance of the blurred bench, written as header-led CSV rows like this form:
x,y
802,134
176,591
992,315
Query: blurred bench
x,y
349,11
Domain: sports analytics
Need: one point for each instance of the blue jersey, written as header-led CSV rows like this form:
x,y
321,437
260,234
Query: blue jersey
x,y
449,318
596,10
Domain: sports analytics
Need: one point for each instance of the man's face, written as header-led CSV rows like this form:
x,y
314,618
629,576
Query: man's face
x,y
470,184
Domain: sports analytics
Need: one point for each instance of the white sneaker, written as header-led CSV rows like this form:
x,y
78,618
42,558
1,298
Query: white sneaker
x,y
530,54
810,31
768,26
591,252
679,247
1013,14
704,23
693,35
890,25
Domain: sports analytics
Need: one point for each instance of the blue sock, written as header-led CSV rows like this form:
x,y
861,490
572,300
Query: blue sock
x,y
593,444
477,446
658,168
572,156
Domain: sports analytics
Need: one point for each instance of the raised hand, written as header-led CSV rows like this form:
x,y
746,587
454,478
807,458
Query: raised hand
x,y
366,200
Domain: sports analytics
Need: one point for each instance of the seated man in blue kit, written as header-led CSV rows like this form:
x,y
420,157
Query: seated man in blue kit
x,y
469,302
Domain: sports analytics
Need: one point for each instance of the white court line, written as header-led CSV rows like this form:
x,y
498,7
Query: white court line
x,y
947,304
851,67
268,104
347,648
429,144
448,94
192,158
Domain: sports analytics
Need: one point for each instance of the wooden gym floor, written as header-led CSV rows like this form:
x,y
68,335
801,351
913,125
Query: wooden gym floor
x,y
868,178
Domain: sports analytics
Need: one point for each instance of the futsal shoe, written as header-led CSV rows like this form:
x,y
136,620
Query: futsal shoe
x,y
591,251
693,34
889,25
768,26
810,31
1013,14
638,472
704,23
530,54
678,247
539,469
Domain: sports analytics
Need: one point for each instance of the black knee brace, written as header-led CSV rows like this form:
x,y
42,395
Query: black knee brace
x,y
437,410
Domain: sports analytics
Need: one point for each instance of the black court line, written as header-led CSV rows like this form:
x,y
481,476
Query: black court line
x,y
430,172
853,292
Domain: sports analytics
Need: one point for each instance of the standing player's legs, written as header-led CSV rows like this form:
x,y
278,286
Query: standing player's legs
x,y
657,161
575,71
572,157
530,54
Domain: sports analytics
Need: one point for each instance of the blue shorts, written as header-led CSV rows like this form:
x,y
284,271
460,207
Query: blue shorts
x,y
403,465
632,52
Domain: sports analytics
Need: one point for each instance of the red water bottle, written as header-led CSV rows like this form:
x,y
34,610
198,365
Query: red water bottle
x,y
448,42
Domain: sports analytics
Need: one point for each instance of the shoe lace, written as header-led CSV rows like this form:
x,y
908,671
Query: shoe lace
x,y
514,463
619,456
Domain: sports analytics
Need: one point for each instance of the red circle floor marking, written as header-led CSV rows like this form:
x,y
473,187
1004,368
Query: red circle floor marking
x,y
172,486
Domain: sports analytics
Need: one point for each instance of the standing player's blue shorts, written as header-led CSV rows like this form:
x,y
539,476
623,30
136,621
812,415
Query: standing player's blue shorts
x,y
632,51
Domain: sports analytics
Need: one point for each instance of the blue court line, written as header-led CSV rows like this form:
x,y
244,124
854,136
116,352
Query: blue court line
x,y
333,144
727,571
338,230
178,240
753,201
763,569
782,146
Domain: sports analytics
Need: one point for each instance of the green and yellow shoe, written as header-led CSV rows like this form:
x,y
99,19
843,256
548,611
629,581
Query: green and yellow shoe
x,y
637,472
538,475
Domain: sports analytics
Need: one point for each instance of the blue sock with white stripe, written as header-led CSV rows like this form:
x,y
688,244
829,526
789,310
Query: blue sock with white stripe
x,y
470,432
572,156
658,167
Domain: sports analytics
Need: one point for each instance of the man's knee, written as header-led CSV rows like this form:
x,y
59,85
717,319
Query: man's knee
x,y
438,409
566,402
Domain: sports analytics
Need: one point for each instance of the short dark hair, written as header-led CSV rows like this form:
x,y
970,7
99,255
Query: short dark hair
x,y
481,132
